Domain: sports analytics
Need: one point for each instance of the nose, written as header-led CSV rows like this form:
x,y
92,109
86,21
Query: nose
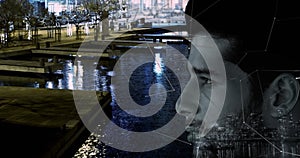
x,y
188,102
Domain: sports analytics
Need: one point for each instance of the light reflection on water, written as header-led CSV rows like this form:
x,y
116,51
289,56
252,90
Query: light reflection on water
x,y
79,76
86,75
140,81
49,84
158,67
72,76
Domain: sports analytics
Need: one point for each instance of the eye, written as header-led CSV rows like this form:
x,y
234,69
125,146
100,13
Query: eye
x,y
205,80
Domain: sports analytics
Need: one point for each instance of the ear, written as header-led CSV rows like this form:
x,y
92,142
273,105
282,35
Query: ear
x,y
282,95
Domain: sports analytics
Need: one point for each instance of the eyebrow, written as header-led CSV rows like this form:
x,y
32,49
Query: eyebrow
x,y
199,71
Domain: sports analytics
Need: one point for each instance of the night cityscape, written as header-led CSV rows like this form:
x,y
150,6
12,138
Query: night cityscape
x,y
149,78
44,58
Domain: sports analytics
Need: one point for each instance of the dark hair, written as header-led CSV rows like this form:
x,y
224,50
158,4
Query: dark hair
x,y
261,34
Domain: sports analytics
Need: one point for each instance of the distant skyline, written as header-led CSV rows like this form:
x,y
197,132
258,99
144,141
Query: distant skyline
x,y
60,5
166,3
148,3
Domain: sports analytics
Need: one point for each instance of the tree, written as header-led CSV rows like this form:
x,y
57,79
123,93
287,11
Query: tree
x,y
103,8
13,11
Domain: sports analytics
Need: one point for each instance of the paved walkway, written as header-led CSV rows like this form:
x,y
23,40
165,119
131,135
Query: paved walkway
x,y
42,122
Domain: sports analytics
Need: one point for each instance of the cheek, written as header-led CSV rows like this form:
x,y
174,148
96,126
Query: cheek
x,y
237,95
203,103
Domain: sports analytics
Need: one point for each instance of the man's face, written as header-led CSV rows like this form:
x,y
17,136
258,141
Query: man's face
x,y
237,91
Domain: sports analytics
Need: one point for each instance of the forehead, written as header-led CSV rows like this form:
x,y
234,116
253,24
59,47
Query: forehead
x,y
206,46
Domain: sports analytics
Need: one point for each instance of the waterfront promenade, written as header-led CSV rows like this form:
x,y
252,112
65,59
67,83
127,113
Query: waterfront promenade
x,y
39,122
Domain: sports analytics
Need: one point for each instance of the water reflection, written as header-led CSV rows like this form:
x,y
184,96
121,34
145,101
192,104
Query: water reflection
x,y
82,75
69,81
60,85
36,85
158,64
68,72
49,85
79,76
86,75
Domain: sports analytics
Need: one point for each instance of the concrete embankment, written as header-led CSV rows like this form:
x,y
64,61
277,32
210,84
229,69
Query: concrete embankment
x,y
42,122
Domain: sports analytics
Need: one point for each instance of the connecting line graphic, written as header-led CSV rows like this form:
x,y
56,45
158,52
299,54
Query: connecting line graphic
x,y
242,92
276,147
173,138
270,34
205,9
242,58
173,89
194,17
251,128
272,27
213,103
242,101
260,84
127,78
266,49
135,12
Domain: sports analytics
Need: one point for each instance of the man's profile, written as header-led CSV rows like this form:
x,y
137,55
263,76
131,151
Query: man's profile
x,y
262,105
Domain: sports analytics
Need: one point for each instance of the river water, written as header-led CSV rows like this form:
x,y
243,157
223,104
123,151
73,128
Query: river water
x,y
85,74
